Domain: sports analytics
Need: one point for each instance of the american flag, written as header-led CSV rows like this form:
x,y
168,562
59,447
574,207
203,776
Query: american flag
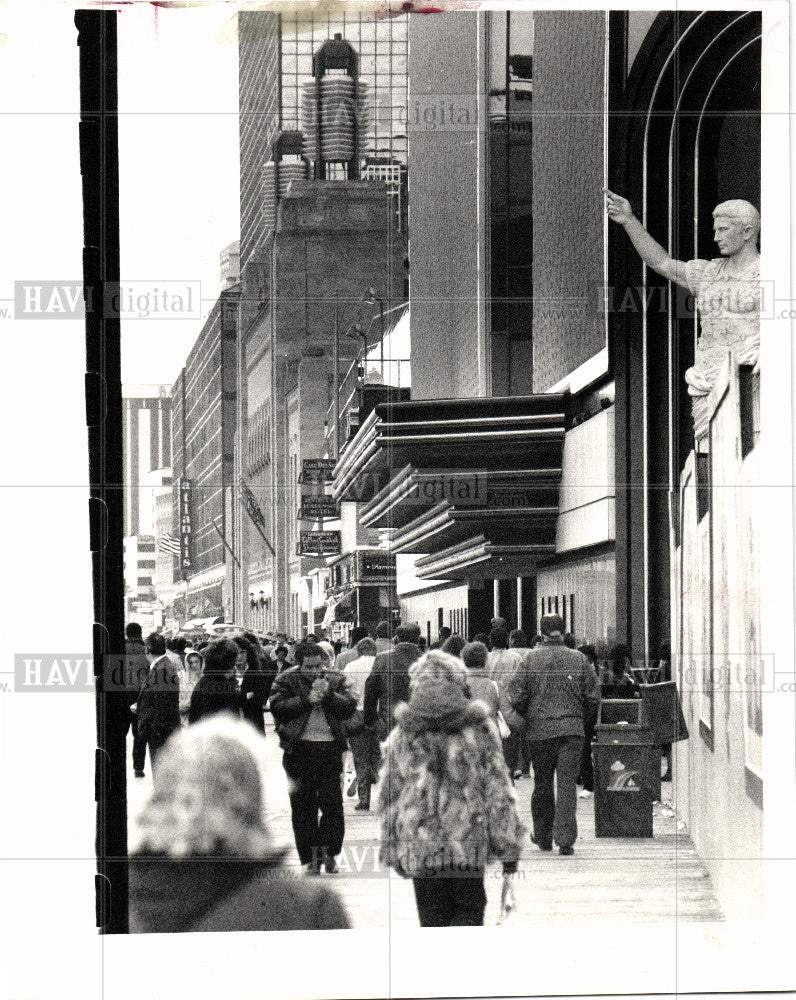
x,y
169,544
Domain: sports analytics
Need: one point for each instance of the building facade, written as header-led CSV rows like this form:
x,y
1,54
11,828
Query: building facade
x,y
547,460
323,181
146,429
203,401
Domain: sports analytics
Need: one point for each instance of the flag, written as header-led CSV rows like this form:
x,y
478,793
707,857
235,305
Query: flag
x,y
169,544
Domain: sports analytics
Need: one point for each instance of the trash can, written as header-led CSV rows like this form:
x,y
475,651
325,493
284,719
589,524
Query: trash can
x,y
626,770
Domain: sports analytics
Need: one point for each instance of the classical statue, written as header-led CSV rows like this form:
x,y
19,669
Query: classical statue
x,y
727,290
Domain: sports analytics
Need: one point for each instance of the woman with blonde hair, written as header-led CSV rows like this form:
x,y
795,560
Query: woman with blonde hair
x,y
446,799
203,859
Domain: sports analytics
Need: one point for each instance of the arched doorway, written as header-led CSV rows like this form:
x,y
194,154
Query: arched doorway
x,y
684,134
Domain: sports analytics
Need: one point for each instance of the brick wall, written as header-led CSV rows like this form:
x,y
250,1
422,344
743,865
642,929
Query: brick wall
x,y
567,185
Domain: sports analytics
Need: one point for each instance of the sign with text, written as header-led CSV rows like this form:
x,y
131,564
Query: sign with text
x,y
318,507
184,510
317,470
319,543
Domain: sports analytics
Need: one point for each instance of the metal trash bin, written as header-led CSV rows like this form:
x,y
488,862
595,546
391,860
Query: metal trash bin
x,y
626,770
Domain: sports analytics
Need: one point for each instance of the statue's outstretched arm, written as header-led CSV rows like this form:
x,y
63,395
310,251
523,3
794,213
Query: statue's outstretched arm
x,y
650,251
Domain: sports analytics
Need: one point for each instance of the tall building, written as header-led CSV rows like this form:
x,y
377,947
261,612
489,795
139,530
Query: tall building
x,y
146,426
203,402
323,230
546,461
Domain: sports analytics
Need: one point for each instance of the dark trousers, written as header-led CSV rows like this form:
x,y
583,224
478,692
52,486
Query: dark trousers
x,y
367,758
154,739
554,812
511,751
586,775
316,799
450,899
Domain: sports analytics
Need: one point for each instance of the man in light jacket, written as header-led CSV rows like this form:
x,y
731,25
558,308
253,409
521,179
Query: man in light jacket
x,y
553,690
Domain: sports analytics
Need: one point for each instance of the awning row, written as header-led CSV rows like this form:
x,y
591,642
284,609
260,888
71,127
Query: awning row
x,y
471,485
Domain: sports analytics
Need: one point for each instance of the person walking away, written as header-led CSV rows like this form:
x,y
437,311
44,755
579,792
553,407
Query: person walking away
x,y
482,687
362,739
454,645
502,664
586,773
388,683
136,667
444,634
256,683
309,705
384,637
202,858
552,690
345,656
158,705
217,688
189,678
446,800
518,642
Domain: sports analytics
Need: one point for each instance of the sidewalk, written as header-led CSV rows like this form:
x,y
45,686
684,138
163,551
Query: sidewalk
x,y
607,880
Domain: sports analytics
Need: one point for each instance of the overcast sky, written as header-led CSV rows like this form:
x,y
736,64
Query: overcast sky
x,y
178,151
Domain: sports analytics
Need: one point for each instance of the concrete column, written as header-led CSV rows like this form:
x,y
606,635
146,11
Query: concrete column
x,y
496,598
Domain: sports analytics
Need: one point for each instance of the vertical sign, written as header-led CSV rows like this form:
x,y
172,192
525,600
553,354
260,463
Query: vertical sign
x,y
184,509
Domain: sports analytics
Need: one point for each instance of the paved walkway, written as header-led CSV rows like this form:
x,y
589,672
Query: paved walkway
x,y
607,880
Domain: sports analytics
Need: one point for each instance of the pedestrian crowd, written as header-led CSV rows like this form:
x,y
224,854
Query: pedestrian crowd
x,y
444,731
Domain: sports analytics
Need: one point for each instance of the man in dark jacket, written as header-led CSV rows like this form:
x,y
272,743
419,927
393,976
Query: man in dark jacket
x,y
158,707
136,667
553,690
388,683
309,705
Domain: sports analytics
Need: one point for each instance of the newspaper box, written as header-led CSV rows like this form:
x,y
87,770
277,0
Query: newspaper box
x,y
626,770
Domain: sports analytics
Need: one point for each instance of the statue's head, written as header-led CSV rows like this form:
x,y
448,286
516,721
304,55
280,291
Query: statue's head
x,y
735,222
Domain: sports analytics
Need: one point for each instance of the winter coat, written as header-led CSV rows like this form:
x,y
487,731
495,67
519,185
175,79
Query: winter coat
x,y
214,692
255,687
136,667
483,688
291,707
502,666
217,894
446,798
388,685
554,690
158,706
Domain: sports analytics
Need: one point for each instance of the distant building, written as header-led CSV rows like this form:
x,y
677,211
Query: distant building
x,y
146,429
203,402
323,171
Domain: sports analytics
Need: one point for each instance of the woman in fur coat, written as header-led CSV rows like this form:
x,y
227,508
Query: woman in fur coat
x,y
446,800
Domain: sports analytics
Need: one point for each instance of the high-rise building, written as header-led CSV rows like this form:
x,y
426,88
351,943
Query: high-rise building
x,y
146,426
322,249
547,459
203,435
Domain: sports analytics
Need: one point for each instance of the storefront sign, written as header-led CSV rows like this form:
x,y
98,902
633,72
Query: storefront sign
x,y
317,470
319,543
184,510
317,507
376,564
